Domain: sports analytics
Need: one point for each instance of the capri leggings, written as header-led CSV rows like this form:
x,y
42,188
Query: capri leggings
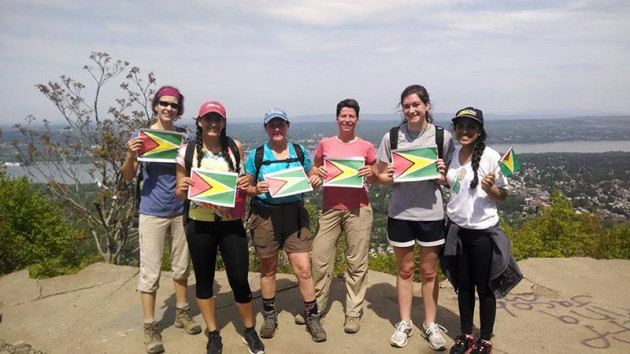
x,y
229,237
473,270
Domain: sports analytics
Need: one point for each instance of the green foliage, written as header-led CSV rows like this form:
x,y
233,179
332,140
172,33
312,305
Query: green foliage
x,y
383,262
562,232
33,232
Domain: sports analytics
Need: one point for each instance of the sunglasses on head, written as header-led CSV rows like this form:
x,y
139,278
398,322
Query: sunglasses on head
x,y
166,104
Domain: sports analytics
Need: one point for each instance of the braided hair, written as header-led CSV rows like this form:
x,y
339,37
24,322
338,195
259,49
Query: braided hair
x,y
224,148
480,146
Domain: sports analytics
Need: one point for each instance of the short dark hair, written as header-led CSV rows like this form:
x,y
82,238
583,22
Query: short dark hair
x,y
348,103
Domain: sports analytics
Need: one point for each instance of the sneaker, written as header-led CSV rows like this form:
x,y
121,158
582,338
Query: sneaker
x,y
352,325
214,346
433,336
152,338
463,344
254,343
403,331
184,320
315,328
299,319
482,347
270,323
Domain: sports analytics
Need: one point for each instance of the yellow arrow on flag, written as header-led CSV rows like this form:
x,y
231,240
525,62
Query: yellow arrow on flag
x,y
418,163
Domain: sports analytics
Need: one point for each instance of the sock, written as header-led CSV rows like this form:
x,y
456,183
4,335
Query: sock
x,y
269,304
182,305
249,329
149,320
310,308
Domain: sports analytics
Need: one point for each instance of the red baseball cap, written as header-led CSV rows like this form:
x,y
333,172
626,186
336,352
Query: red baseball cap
x,y
211,107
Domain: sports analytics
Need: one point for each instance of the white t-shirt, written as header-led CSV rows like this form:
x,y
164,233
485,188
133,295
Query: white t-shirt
x,y
473,208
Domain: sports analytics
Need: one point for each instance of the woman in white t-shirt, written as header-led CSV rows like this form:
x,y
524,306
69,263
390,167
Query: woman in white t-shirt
x,y
473,218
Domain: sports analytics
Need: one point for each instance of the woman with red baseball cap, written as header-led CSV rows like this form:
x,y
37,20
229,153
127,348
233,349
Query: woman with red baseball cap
x,y
211,228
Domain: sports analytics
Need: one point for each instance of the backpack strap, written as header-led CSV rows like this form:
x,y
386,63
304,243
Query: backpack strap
x,y
258,160
439,140
393,138
299,152
233,149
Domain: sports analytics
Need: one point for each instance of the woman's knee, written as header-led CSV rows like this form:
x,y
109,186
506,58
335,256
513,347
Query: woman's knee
x,y
405,271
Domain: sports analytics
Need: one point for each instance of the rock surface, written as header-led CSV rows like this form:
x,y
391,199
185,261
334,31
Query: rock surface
x,y
576,305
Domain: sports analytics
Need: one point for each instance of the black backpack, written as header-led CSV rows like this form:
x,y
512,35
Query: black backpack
x,y
439,139
188,161
137,188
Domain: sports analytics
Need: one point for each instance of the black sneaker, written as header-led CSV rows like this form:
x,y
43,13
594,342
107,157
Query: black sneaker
x,y
214,346
482,347
463,344
270,323
315,328
254,343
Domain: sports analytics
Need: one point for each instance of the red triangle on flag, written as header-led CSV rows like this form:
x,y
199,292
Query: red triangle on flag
x,y
275,184
333,171
200,185
148,143
401,163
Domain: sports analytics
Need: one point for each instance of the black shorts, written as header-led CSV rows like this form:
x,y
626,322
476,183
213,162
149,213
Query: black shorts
x,y
403,233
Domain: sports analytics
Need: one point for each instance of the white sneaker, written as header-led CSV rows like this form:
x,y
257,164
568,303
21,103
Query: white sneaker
x,y
432,334
403,331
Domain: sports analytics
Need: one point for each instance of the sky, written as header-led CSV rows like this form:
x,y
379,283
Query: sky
x,y
505,57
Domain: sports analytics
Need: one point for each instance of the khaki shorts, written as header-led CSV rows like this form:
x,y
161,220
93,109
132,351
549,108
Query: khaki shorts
x,y
280,227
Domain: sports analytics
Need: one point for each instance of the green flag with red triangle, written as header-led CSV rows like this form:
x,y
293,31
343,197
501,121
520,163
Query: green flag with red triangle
x,y
160,145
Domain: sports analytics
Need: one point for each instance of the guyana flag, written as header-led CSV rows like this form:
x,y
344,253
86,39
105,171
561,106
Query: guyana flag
x,y
343,172
160,145
509,163
214,187
417,164
287,182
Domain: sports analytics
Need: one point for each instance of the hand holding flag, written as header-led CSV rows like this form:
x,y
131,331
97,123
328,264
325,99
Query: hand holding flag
x,y
509,163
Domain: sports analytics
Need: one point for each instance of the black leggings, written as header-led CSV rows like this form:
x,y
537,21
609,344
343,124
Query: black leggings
x,y
229,236
473,269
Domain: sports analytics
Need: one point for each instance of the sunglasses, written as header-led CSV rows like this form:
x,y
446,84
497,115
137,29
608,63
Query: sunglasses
x,y
166,104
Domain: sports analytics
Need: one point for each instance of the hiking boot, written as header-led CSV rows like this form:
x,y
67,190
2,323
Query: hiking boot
x,y
315,328
403,331
214,346
482,347
433,336
152,338
184,320
270,323
352,325
254,343
463,344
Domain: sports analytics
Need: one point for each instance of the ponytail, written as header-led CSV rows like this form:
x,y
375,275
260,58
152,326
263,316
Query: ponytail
x,y
480,146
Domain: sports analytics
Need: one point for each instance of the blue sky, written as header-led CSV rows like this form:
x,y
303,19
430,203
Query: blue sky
x,y
506,57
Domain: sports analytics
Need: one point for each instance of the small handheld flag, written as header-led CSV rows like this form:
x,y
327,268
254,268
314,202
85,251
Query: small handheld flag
x,y
287,182
344,172
214,187
509,163
160,145
416,164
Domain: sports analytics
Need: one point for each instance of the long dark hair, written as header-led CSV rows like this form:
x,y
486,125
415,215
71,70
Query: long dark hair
x,y
423,95
480,146
223,140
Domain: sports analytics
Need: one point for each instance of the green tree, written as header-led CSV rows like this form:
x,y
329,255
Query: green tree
x,y
33,232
